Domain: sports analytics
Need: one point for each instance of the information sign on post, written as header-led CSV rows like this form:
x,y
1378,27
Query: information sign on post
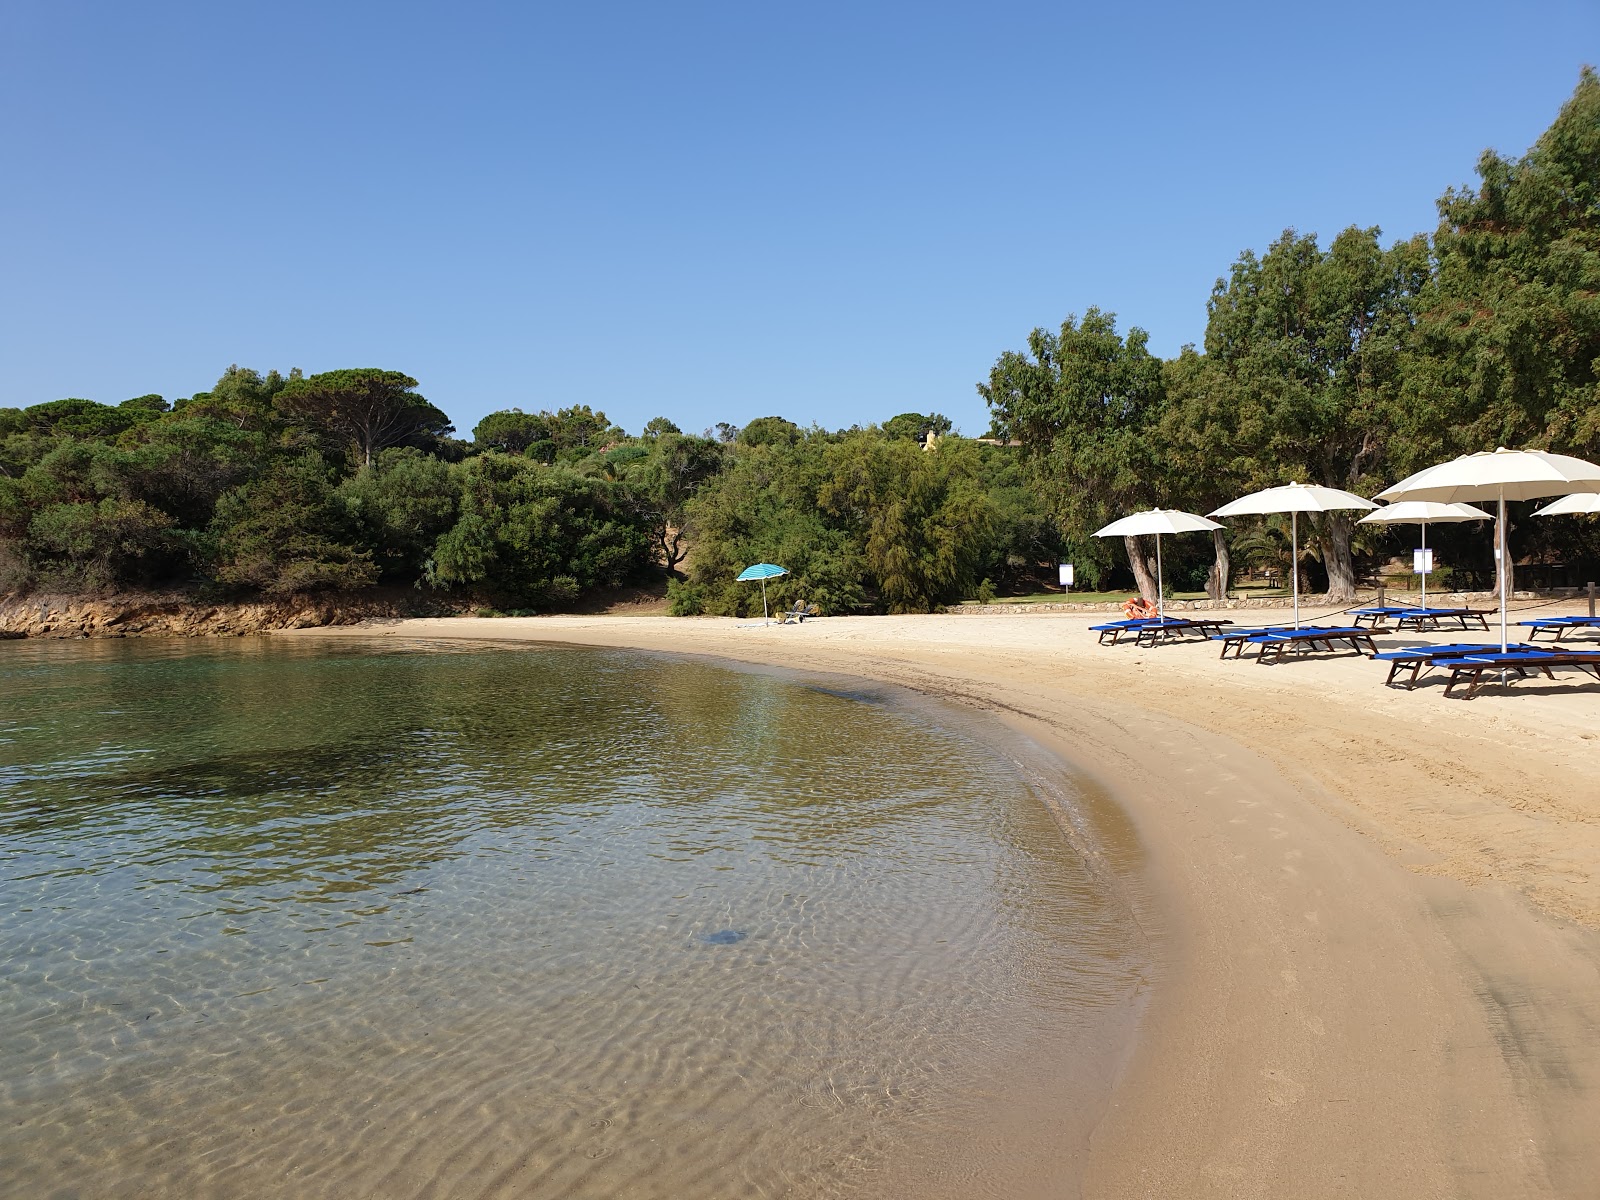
x,y
1066,575
1422,562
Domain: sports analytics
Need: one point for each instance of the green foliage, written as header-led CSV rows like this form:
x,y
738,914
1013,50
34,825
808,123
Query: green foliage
x,y
768,431
1086,404
85,418
1508,345
657,427
402,504
663,474
361,411
96,545
916,426
861,521
535,533
511,431
685,599
290,531
568,435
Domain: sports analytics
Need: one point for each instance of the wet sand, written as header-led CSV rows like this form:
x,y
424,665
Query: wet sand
x,y
1378,912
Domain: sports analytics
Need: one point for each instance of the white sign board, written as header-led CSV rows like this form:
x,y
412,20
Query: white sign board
x,y
1066,575
1422,561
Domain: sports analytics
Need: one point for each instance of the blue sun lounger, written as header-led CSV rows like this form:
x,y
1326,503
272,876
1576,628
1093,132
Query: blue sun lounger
x,y
1235,639
1147,631
1524,662
1112,631
1429,618
1422,659
1310,639
1560,626
1378,614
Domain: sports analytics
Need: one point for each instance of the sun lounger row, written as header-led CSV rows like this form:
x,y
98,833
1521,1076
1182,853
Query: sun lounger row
x,y
1422,618
1560,626
1273,643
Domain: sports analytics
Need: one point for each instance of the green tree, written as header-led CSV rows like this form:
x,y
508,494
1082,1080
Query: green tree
x,y
97,545
290,531
663,480
1508,341
362,410
241,397
402,504
539,535
657,427
769,431
512,431
925,522
1085,403
1304,348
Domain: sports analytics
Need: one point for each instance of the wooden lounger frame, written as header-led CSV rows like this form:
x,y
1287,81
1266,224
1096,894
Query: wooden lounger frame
x,y
1586,661
1420,620
1279,641
1561,625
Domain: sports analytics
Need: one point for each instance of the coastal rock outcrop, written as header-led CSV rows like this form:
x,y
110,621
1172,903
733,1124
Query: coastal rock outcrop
x,y
177,614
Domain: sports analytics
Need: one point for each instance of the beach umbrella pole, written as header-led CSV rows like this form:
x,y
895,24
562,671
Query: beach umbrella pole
x,y
1505,570
1424,564
1161,592
764,602
1294,562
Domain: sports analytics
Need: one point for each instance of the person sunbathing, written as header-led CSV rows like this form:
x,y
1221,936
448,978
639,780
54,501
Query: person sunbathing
x,y
1138,608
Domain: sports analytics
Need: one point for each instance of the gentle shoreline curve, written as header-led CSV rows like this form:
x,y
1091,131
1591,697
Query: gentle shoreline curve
x,y
1381,907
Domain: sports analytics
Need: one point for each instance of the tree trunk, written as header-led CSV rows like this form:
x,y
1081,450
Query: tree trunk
x,y
1141,569
1221,574
1335,535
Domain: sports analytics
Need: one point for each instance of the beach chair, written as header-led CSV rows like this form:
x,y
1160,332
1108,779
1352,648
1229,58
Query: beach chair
x,y
1114,631
1236,639
1560,626
1522,663
1310,639
1178,628
798,613
1422,659
1420,619
1378,614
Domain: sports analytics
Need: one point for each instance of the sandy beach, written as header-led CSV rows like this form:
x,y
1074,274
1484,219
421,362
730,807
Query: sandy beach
x,y
1377,911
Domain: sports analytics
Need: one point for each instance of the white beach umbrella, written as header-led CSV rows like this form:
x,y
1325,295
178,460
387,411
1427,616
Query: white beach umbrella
x,y
1294,499
1499,475
1420,512
1570,506
1157,521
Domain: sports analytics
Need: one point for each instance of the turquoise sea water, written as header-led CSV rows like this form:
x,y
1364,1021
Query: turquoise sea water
x,y
335,919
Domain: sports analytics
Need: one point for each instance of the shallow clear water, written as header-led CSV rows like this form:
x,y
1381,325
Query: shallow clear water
x,y
331,919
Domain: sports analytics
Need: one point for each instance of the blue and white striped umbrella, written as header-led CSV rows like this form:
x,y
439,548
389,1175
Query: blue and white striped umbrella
x,y
763,572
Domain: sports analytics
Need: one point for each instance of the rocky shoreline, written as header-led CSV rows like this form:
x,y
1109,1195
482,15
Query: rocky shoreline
x,y
177,614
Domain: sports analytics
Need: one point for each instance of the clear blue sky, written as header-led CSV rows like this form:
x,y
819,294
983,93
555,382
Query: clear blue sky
x,y
832,212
